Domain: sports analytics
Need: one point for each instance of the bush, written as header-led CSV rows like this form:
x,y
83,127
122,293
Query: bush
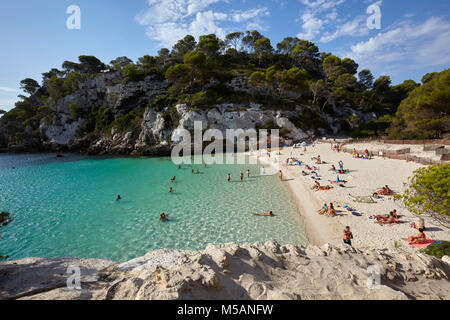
x,y
427,193
438,250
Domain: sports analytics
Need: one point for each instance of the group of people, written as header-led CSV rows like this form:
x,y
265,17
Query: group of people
x,y
390,218
327,210
241,175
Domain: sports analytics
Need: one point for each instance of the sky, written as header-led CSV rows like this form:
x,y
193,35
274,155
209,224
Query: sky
x,y
411,39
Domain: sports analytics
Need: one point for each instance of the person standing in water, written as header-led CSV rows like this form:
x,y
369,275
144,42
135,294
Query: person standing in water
x,y
170,190
173,179
248,173
229,177
241,176
118,197
281,175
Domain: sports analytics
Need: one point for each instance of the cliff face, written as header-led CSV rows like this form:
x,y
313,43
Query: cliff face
x,y
73,118
229,271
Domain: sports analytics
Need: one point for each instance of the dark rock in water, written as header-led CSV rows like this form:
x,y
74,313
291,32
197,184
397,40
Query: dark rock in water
x,y
59,156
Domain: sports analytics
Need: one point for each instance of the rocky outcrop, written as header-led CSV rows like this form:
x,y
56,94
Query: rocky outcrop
x,y
114,97
230,271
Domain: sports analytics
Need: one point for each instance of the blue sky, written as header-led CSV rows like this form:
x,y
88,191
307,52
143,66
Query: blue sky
x,y
414,37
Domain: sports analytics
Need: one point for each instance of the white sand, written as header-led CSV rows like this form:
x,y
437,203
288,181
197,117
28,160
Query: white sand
x,y
366,176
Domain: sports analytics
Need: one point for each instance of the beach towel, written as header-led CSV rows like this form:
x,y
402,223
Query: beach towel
x,y
421,245
362,199
341,183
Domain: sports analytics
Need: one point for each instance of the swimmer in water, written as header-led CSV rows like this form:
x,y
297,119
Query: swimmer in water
x,y
197,172
170,190
118,198
229,177
192,171
269,214
163,216
173,179
179,167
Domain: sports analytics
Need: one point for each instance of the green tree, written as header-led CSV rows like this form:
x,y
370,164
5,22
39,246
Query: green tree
x,y
427,77
163,56
119,63
182,47
294,79
29,85
332,66
209,44
425,112
366,79
90,64
350,66
234,40
304,52
428,194
286,45
262,47
249,39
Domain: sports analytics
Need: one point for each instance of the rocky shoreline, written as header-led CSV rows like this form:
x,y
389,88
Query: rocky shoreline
x,y
230,271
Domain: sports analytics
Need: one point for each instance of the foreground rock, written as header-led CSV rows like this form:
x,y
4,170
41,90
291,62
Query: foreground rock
x,y
258,271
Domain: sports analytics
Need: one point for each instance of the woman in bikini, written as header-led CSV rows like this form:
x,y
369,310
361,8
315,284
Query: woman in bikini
x,y
323,209
420,238
331,211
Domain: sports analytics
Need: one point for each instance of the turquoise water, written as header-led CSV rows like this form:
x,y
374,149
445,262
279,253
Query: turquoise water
x,y
67,207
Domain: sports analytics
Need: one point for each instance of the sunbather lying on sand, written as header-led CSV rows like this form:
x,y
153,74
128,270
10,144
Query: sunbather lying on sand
x,y
318,187
385,191
318,161
420,238
323,209
333,168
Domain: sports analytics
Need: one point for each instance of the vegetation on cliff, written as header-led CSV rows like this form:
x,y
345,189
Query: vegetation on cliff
x,y
292,73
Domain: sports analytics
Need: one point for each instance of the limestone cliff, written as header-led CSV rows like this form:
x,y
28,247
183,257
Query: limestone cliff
x,y
230,271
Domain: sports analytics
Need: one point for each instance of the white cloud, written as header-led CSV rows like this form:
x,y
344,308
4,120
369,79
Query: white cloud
x,y
321,5
356,27
318,14
168,21
239,15
7,89
407,44
311,26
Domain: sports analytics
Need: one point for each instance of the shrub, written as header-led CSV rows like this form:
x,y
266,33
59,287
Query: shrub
x,y
438,250
427,193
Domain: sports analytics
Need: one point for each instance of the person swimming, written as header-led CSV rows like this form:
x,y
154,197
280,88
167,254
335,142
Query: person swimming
x,y
197,172
118,197
173,179
163,216
170,190
268,214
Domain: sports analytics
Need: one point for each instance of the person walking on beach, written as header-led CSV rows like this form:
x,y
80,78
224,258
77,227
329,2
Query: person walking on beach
x,y
229,177
348,236
242,176
248,173
281,175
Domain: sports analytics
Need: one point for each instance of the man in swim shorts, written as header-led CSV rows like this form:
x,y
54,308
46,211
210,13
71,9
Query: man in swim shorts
x,y
348,236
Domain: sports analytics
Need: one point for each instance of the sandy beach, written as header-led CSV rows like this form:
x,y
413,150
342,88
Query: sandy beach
x,y
365,177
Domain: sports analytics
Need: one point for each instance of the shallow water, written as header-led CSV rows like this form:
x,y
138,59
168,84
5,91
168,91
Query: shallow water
x,y
66,206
